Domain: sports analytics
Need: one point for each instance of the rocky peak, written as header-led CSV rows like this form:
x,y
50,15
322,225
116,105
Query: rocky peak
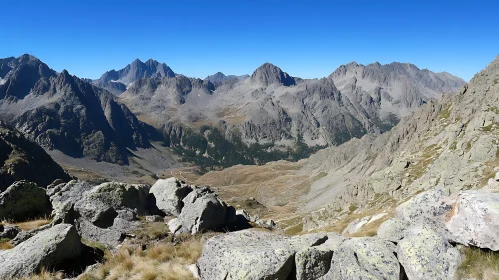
x,y
268,74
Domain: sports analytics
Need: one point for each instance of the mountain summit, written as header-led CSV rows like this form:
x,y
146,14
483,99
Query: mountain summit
x,y
268,74
117,81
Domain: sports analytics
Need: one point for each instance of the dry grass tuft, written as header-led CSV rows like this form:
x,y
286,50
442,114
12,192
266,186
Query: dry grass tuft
x,y
478,264
162,260
29,225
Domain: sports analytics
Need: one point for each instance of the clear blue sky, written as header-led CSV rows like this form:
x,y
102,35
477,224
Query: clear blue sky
x,y
305,38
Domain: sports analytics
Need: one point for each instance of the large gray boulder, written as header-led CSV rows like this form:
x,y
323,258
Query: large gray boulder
x,y
63,198
314,262
364,258
104,213
22,201
393,230
429,205
425,254
203,210
475,219
250,254
169,194
47,249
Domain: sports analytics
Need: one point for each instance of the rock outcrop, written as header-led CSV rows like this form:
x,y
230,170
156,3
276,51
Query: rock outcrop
x,y
425,254
474,220
47,249
23,201
203,210
252,254
169,194
104,213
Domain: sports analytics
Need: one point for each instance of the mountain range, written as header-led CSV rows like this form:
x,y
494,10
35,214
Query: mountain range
x,y
60,111
219,121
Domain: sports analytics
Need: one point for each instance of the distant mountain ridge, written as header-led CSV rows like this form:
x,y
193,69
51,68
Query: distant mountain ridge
x,y
219,78
274,108
63,112
117,81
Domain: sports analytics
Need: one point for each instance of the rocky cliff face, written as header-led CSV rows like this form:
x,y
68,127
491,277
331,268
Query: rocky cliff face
x,y
118,81
62,112
25,160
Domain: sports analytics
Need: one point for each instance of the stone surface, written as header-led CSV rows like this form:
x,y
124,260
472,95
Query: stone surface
x,y
425,254
393,230
23,201
475,219
169,194
364,258
250,254
154,218
9,232
203,210
46,249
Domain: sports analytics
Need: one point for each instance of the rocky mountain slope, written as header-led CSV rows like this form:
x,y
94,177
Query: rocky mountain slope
x,y
450,144
25,160
63,112
118,81
284,112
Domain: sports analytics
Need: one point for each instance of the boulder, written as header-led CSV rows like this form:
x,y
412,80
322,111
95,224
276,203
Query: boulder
x,y
9,232
175,226
429,205
154,218
121,195
425,254
203,210
46,249
364,258
22,201
475,219
314,262
169,194
106,236
63,197
393,230
250,254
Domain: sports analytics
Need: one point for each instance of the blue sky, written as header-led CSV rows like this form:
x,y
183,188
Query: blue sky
x,y
308,39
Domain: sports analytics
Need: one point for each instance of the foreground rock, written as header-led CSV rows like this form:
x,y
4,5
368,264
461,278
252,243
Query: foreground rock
x,y
251,254
105,213
169,194
203,210
425,254
475,219
22,201
364,258
47,249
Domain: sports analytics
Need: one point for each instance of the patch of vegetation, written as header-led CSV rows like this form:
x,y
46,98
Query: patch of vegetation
x,y
430,153
446,111
352,208
478,263
211,149
494,82
453,146
294,230
160,260
154,231
468,146
29,225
